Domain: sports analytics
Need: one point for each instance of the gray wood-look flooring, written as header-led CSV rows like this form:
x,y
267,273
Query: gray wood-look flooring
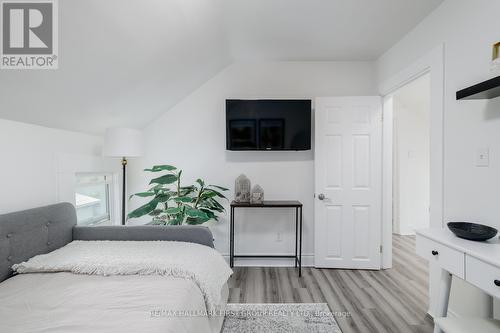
x,y
393,300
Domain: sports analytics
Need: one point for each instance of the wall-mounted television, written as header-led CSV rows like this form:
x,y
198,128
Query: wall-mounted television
x,y
268,124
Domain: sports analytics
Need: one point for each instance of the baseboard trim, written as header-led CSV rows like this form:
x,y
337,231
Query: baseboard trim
x,y
307,261
451,314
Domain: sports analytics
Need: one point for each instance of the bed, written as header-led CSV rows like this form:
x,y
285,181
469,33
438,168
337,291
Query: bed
x,y
60,300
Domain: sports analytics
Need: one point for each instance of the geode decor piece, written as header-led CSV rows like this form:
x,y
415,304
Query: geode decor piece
x,y
242,189
257,196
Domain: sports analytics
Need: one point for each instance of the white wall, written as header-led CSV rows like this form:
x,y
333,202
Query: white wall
x,y
468,29
28,168
192,136
412,157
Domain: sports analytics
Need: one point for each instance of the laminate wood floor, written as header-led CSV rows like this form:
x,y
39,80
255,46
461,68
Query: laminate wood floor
x,y
393,300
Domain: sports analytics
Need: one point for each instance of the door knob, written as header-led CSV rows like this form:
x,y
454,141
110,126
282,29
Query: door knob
x,y
321,196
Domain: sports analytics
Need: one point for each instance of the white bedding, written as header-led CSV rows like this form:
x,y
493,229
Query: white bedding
x,y
117,286
67,302
201,264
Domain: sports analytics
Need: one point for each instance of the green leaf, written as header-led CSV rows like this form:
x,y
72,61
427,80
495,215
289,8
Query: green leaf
x,y
156,212
196,213
219,187
215,209
162,197
161,189
185,191
201,182
143,210
217,193
143,194
158,168
208,194
173,210
210,214
166,179
214,203
183,199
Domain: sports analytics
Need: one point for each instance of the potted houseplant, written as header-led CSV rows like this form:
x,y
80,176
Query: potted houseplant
x,y
174,204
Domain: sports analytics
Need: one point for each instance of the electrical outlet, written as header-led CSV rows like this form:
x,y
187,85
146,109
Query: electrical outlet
x,y
279,237
482,157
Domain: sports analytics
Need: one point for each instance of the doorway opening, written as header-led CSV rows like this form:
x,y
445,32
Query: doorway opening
x,y
431,63
411,156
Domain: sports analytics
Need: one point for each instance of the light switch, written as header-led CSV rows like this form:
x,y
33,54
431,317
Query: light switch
x,y
483,157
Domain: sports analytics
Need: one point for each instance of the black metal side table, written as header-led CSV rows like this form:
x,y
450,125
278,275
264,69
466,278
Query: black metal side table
x,y
271,204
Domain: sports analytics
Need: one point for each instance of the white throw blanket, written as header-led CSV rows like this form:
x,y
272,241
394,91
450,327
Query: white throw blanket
x,y
202,264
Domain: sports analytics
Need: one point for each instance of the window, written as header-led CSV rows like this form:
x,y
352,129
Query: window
x,y
92,198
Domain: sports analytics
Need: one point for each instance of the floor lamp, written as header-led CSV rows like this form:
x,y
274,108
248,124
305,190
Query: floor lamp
x,y
124,143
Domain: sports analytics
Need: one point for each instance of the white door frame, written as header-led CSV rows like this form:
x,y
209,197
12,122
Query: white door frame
x,y
432,63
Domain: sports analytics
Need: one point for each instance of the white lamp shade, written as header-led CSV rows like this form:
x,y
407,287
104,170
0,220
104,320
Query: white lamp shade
x,y
122,142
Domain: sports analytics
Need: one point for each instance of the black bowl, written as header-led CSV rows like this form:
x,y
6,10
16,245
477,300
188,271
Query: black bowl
x,y
472,231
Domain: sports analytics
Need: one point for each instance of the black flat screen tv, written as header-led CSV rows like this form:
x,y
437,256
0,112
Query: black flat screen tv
x,y
268,124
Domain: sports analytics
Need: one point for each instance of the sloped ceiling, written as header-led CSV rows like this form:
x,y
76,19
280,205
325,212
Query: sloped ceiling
x,y
122,63
320,29
125,62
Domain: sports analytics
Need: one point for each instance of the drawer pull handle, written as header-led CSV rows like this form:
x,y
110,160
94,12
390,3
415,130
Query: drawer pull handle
x,y
497,283
434,252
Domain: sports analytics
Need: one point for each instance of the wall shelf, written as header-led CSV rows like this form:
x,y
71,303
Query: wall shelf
x,y
485,90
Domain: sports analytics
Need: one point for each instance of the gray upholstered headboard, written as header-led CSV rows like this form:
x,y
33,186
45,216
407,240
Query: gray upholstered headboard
x,y
35,231
185,233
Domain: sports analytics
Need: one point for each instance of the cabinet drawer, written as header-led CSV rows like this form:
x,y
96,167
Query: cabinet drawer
x,y
450,259
483,275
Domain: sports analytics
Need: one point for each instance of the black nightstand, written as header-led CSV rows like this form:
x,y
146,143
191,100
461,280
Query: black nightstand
x,y
271,204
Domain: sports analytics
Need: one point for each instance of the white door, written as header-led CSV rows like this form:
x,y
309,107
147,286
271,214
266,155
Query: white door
x,y
348,177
